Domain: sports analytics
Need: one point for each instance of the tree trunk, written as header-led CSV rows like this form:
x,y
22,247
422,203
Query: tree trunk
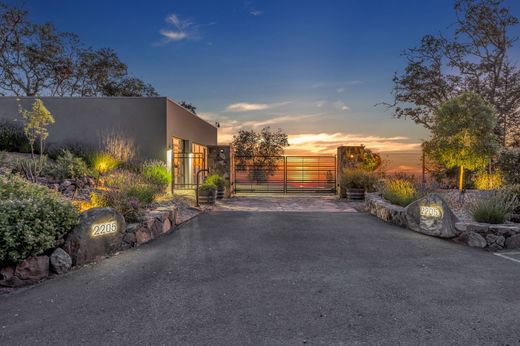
x,y
461,177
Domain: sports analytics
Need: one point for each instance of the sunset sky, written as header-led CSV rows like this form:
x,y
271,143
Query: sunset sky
x,y
316,69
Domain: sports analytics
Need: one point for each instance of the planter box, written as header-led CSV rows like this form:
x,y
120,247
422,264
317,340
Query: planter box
x,y
207,198
220,193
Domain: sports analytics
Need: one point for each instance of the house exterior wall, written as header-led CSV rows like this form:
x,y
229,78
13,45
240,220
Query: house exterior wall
x,y
183,124
149,121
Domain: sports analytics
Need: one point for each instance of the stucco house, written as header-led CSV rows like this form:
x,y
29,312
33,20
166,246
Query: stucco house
x,y
160,128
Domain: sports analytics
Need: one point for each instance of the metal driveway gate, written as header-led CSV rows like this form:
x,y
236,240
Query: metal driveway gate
x,y
285,174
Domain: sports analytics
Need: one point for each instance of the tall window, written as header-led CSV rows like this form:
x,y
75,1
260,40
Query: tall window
x,y
179,167
199,157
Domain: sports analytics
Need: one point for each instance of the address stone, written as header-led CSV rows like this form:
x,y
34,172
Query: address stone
x,y
432,216
99,233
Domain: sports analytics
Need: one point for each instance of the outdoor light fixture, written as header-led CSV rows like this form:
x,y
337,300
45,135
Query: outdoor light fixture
x,y
169,154
104,228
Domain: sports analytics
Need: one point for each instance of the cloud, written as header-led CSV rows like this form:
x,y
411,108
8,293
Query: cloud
x,y
341,106
183,29
248,107
326,143
255,12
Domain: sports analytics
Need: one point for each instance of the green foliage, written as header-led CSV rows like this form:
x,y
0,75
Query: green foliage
x,y
207,188
371,160
157,173
353,178
399,191
462,134
259,153
31,168
12,137
32,217
509,164
130,208
79,149
216,180
484,180
512,192
496,209
104,163
35,123
69,166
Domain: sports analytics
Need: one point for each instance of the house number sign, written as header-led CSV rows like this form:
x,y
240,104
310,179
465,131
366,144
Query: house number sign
x,y
100,229
433,212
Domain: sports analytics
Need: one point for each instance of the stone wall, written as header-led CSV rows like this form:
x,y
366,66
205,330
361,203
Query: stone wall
x,y
488,236
77,247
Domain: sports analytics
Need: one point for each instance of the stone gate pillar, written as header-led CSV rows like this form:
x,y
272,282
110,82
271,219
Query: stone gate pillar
x,y
347,157
219,162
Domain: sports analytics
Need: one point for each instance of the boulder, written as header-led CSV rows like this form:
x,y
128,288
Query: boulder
x,y
99,233
129,238
432,216
472,239
166,226
60,261
513,242
33,269
8,279
495,242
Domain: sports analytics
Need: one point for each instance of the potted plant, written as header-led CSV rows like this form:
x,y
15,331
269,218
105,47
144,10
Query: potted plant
x,y
207,193
354,184
219,182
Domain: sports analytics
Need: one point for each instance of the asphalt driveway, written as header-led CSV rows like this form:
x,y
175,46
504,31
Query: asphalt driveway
x,y
276,278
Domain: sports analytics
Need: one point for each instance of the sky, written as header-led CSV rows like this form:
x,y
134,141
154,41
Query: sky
x,y
315,69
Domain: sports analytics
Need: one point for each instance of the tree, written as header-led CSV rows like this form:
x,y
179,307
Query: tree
x,y
462,134
37,60
35,124
475,57
259,152
188,106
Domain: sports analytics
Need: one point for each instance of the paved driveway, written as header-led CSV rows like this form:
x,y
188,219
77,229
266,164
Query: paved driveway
x,y
272,278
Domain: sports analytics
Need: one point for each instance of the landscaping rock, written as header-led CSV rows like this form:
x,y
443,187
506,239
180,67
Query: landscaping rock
x,y
432,216
33,269
60,261
472,239
505,230
166,226
8,279
376,205
129,238
143,235
513,242
495,242
99,233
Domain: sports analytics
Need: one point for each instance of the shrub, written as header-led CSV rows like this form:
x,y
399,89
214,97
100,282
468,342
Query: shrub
x,y
485,181
508,162
12,137
32,217
216,180
496,209
157,173
512,191
357,179
399,191
207,188
118,145
104,163
129,208
30,168
69,166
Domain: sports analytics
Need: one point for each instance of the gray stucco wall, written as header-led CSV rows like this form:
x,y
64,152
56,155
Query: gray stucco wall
x,y
150,121
186,125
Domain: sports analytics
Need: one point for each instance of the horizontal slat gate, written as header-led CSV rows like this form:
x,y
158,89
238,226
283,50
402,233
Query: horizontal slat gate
x,y
285,174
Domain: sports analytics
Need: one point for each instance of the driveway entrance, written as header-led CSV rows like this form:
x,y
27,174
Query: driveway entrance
x,y
284,174
286,203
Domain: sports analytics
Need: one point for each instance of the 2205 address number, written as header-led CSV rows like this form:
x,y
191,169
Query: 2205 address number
x,y
104,228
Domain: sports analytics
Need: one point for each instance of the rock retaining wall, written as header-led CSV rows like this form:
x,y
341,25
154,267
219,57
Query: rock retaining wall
x,y
488,236
57,261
